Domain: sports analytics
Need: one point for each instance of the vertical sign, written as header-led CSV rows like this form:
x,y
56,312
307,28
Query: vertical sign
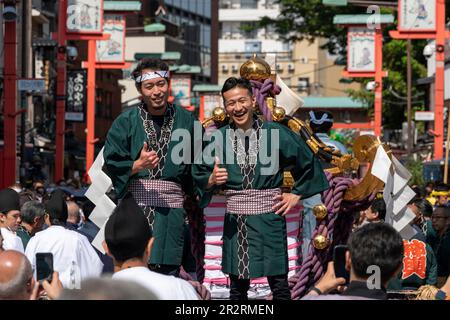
x,y
417,15
84,16
209,102
361,50
76,95
112,50
181,89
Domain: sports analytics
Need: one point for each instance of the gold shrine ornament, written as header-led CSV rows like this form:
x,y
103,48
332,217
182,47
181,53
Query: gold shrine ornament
x,y
278,114
255,69
218,114
320,242
320,211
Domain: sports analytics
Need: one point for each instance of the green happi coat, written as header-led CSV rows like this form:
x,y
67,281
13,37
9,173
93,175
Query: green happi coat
x,y
123,146
266,233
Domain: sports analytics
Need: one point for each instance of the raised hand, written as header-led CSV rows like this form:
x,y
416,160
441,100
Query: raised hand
x,y
148,159
219,175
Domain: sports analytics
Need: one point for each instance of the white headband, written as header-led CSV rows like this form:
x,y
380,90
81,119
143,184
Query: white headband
x,y
324,118
152,75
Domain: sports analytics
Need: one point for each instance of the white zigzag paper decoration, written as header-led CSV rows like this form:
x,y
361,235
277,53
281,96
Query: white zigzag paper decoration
x,y
396,192
104,206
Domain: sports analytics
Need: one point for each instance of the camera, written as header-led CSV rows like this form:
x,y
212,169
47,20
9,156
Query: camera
x,y
428,51
72,53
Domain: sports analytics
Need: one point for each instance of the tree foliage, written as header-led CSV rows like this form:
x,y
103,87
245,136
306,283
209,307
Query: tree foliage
x,y
310,19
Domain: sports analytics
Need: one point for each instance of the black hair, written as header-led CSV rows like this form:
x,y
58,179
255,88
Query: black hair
x,y
148,63
325,127
424,206
31,210
376,244
444,209
380,207
234,82
441,187
87,208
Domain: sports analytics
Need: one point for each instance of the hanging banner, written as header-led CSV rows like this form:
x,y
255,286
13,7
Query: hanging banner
x,y
180,86
112,50
361,50
208,103
416,15
76,95
84,16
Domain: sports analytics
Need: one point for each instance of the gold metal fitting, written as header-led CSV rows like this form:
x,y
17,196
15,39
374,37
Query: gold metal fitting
x,y
278,114
219,114
320,242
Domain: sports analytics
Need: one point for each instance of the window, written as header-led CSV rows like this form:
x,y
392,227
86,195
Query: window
x,y
303,84
253,46
249,4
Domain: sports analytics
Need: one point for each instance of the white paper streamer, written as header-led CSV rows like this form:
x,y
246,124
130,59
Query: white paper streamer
x,y
396,193
104,206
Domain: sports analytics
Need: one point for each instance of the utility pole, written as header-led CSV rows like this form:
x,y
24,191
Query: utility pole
x,y
409,143
26,73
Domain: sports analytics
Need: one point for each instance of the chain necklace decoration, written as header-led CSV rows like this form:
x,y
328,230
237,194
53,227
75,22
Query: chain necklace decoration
x,y
159,146
247,160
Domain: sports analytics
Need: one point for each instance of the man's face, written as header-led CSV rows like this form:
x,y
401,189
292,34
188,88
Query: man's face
x,y
239,106
416,211
442,200
155,92
439,221
11,219
370,215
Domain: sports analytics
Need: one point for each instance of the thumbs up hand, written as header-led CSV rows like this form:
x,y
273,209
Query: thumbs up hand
x,y
148,159
219,175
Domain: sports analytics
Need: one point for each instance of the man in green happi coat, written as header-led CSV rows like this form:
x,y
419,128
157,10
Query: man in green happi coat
x,y
138,159
250,167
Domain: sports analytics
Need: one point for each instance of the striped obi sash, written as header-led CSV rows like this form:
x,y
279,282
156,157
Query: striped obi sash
x,y
157,193
251,201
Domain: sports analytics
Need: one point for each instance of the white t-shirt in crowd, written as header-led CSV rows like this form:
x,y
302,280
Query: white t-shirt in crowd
x,y
164,287
11,241
74,258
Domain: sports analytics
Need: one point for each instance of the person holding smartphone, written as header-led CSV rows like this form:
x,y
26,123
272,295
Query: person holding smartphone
x,y
374,256
17,281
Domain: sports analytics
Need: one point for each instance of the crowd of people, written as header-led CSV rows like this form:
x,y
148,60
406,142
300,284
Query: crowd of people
x,y
145,246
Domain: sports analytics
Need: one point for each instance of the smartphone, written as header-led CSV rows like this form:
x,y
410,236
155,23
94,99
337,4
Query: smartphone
x,y
339,262
44,266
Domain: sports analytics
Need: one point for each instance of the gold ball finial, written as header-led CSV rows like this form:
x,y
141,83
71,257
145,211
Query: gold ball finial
x,y
218,114
320,242
255,69
278,114
320,211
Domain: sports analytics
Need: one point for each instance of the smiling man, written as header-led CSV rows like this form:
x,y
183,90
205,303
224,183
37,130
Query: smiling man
x,y
137,158
254,236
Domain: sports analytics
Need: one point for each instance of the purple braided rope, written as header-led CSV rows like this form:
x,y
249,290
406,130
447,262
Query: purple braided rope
x,y
261,91
313,266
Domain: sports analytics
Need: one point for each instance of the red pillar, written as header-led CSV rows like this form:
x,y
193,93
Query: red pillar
x,y
91,66
378,81
439,82
10,104
61,92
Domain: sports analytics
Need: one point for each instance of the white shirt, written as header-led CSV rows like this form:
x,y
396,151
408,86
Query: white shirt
x,y
164,287
11,241
74,258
